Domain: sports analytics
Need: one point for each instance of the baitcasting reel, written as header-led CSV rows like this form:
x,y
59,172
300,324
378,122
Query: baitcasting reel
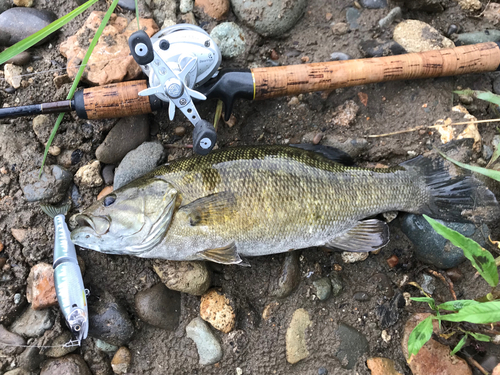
x,y
177,59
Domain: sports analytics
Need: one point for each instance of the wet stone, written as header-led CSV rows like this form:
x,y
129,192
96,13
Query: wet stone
x,y
159,306
8,340
4,5
127,134
352,15
33,323
230,38
375,48
108,174
98,362
390,18
279,15
121,361
353,345
72,364
417,36
105,347
217,309
20,23
337,285
373,4
108,320
186,277
20,59
490,35
127,4
323,288
289,277
17,371
382,366
361,296
322,371
209,349
31,359
388,313
431,248
339,56
296,346
217,9
137,162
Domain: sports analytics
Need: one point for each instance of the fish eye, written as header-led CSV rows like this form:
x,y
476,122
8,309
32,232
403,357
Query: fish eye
x,y
109,200
77,328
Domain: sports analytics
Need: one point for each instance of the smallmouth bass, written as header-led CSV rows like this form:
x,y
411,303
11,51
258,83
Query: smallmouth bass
x,y
251,201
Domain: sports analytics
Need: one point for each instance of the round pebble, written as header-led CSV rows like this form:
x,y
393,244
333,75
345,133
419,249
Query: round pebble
x,y
218,310
361,297
121,361
180,131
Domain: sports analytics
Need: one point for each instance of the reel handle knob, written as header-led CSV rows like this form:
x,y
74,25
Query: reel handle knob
x,y
204,137
141,47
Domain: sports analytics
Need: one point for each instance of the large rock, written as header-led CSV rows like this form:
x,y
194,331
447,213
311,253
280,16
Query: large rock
x,y
209,349
20,23
159,306
417,36
127,134
113,63
108,320
50,187
433,358
432,248
269,18
72,364
33,323
137,162
186,277
296,347
230,39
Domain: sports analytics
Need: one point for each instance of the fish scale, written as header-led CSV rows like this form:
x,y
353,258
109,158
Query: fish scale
x,y
251,201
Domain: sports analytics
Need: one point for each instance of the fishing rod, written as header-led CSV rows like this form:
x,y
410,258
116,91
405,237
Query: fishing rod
x,y
182,64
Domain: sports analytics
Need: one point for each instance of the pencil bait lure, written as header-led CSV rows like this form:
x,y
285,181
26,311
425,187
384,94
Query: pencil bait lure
x,y
71,293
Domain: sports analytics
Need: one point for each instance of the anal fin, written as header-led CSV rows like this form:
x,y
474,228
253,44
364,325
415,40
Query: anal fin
x,y
367,235
224,255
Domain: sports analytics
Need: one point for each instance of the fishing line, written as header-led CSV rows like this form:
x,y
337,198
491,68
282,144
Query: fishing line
x,y
69,344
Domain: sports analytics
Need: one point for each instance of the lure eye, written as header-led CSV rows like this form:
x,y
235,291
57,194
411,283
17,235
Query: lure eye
x,y
77,328
109,200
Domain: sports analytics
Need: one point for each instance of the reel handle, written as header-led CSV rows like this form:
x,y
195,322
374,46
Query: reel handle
x,y
204,137
141,47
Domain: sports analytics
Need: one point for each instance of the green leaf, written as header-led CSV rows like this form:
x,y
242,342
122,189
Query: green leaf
x,y
483,95
484,171
429,300
78,76
26,43
480,336
419,336
481,259
456,305
459,345
482,313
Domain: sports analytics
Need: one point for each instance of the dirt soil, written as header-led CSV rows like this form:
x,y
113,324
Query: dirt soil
x,y
391,106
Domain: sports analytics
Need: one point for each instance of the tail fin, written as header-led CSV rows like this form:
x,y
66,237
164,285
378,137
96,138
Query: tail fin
x,y
455,195
53,211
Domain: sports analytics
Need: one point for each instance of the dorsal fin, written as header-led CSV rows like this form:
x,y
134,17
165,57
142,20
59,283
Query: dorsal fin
x,y
331,153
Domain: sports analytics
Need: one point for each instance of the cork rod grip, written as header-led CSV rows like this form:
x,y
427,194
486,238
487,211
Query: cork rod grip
x,y
116,100
295,79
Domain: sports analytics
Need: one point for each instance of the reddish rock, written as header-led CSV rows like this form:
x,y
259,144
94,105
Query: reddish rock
x,y
111,61
121,361
41,291
393,261
107,190
216,9
381,366
496,370
434,358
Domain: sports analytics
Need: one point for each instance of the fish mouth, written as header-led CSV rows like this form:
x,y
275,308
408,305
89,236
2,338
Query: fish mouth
x,y
98,224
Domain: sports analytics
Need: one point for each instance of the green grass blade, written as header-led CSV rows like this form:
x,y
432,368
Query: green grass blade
x,y
429,300
419,336
26,43
483,95
483,313
79,76
456,305
459,346
494,157
481,259
487,172
137,15
480,336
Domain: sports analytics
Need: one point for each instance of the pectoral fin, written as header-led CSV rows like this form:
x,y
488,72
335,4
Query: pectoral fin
x,y
215,208
223,255
367,235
